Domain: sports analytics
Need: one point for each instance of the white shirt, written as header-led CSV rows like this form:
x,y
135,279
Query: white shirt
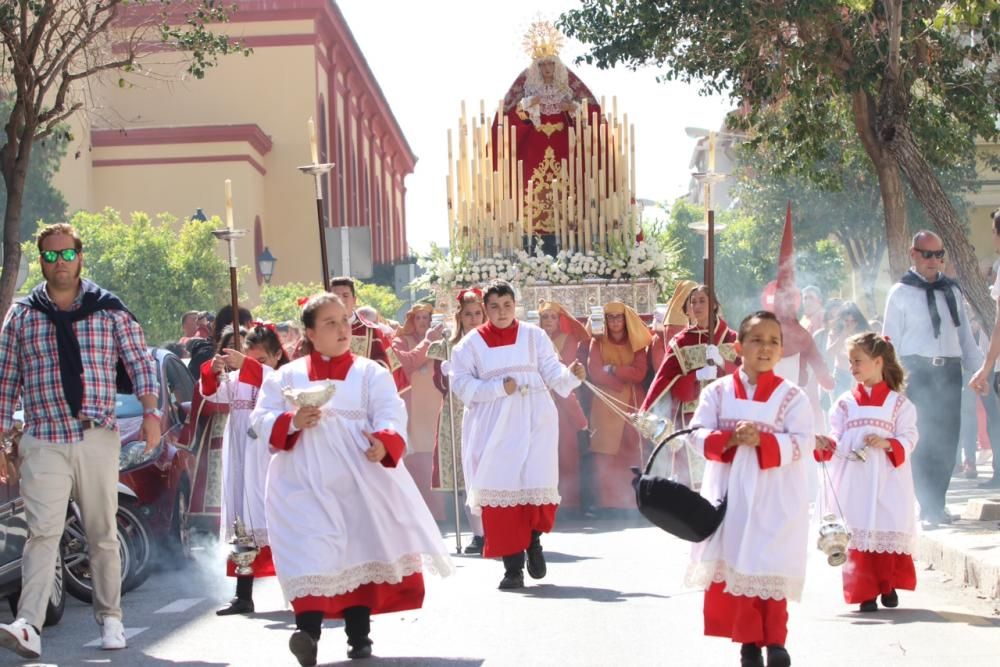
x,y
907,323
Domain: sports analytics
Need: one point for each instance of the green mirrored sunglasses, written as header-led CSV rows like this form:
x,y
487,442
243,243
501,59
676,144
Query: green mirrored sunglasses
x,y
50,256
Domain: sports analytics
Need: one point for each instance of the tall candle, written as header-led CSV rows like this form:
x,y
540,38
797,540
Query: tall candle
x,y
229,202
313,146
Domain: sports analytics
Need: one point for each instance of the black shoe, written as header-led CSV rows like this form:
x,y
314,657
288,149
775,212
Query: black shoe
x,y
360,651
890,599
869,605
475,546
751,656
536,559
236,606
777,656
303,647
991,483
512,581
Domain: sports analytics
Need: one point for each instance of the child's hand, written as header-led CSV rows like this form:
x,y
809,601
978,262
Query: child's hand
x,y
876,442
233,358
306,417
218,364
376,452
509,385
824,443
746,434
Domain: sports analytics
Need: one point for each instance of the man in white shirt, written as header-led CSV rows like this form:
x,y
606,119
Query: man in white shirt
x,y
926,322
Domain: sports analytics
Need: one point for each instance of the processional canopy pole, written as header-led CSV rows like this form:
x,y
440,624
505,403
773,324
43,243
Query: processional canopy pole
x,y
318,169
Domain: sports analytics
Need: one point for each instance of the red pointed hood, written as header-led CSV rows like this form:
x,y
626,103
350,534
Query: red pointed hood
x,y
786,296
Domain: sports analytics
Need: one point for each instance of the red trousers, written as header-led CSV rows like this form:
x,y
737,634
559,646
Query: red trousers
x,y
507,530
744,619
868,574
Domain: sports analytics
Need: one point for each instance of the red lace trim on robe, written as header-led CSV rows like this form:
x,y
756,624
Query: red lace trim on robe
x,y
495,337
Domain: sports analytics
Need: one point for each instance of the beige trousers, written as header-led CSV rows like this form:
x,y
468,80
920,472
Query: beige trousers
x,y
50,472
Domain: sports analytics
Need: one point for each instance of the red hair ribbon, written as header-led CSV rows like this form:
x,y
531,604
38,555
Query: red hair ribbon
x,y
264,325
303,300
475,290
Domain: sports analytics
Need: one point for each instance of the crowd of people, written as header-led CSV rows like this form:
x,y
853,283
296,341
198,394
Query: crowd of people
x,y
343,429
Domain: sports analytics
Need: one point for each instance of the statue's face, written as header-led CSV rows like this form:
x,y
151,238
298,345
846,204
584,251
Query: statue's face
x,y
548,70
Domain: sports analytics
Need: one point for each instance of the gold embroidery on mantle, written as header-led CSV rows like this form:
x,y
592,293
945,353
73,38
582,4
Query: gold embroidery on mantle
x,y
550,128
541,183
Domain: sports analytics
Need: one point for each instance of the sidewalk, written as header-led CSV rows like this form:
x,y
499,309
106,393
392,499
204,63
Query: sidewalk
x,y
967,551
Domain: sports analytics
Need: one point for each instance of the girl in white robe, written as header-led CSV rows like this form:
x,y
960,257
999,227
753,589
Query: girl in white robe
x,y
245,457
349,531
503,372
876,491
754,429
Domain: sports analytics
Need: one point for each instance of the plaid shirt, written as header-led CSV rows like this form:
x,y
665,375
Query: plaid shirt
x,y
29,369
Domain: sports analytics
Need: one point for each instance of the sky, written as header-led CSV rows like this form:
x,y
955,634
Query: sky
x,y
429,56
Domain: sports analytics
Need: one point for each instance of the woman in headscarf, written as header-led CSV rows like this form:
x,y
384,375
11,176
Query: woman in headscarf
x,y
471,314
686,368
617,366
423,402
674,322
567,335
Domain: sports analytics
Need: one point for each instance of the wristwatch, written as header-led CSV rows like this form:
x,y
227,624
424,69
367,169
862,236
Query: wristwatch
x,y
156,413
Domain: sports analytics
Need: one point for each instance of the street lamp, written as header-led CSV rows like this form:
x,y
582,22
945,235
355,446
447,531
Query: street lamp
x,y
265,264
199,215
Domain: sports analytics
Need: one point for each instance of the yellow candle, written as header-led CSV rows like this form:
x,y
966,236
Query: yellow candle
x,y
313,146
229,203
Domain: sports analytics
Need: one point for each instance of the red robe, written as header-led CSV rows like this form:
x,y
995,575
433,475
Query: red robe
x,y
571,421
379,598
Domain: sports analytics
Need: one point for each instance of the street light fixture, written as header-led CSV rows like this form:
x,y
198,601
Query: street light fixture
x,y
265,264
199,215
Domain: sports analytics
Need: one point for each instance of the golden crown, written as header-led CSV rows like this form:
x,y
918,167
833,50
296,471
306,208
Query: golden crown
x,y
542,40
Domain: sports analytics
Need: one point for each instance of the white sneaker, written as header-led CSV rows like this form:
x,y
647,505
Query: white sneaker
x,y
22,638
112,634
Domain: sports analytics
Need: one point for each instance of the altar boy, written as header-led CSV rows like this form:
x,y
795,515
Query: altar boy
x,y
502,372
754,429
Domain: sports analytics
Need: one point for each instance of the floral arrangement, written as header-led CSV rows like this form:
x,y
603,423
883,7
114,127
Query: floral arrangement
x,y
644,260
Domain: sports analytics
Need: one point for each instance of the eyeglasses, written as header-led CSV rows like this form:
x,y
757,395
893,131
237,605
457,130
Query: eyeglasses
x,y
51,256
927,254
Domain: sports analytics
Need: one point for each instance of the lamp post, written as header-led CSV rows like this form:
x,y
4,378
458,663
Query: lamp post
x,y
265,264
199,215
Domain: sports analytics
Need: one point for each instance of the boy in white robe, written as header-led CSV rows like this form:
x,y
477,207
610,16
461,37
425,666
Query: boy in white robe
x,y
754,429
349,532
503,372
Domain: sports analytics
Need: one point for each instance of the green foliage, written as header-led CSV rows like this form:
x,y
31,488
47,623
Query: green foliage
x,y
280,303
42,201
160,268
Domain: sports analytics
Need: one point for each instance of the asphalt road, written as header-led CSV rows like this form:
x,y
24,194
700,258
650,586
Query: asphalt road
x,y
613,596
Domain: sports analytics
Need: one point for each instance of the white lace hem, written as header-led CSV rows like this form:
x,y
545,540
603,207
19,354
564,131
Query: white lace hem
x,y
345,581
480,498
766,587
882,541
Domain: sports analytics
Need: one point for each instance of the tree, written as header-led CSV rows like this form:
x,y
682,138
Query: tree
x,y
746,255
42,201
50,48
160,268
280,303
918,77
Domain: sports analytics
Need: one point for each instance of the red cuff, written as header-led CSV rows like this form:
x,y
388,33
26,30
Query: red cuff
x,y
768,452
394,444
209,381
715,447
251,373
823,455
896,453
280,437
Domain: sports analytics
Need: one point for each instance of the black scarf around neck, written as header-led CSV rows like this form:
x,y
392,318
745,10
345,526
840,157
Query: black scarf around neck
x,y
92,299
943,284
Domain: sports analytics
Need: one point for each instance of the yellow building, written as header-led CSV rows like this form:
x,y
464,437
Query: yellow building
x,y
166,142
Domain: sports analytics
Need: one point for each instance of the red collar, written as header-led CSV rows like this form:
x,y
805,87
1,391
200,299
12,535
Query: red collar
x,y
494,337
766,384
875,398
334,369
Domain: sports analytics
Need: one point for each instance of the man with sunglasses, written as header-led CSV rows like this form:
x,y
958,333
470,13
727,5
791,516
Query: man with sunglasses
x,y
65,351
925,320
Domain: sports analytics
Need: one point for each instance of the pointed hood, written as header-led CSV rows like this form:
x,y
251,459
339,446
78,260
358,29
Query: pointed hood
x,y
786,295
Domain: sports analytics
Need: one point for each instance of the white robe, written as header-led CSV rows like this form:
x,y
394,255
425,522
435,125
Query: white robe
x,y
877,498
336,520
760,548
244,464
510,444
